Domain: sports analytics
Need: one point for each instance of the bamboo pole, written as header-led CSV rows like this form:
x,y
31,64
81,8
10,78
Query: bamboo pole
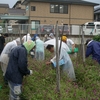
x,y
61,40
20,34
83,48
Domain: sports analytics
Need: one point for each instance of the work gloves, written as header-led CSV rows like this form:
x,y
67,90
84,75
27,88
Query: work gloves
x,y
31,72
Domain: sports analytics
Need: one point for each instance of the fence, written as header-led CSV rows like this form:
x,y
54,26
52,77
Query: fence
x,y
40,29
73,31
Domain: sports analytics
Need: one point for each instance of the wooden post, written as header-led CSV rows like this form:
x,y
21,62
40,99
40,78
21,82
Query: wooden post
x,y
80,44
20,33
57,60
61,40
83,48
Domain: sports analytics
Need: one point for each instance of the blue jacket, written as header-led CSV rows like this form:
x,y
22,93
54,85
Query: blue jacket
x,y
17,66
93,48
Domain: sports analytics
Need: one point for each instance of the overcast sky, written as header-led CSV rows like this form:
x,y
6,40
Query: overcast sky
x,y
12,2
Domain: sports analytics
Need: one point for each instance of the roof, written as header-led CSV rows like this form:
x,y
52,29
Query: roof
x,y
16,11
97,10
62,1
13,17
4,5
18,2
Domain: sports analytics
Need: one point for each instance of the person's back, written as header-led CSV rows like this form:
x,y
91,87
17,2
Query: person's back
x,y
4,58
39,45
9,46
17,68
26,38
93,48
67,68
17,58
39,49
70,43
6,51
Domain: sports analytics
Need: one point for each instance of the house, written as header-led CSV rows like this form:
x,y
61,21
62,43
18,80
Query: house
x,y
66,12
70,12
4,9
16,12
11,17
97,13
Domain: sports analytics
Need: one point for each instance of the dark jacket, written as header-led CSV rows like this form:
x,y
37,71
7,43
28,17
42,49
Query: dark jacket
x,y
93,48
17,66
2,41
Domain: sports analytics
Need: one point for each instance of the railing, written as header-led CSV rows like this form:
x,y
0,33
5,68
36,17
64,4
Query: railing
x,y
43,29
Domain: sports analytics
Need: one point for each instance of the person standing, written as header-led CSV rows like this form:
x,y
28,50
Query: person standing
x,y
39,52
26,38
17,68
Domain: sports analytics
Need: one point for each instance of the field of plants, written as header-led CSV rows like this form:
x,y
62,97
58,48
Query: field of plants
x,y
42,84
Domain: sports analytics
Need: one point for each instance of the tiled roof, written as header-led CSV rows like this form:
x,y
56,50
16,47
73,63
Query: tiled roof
x,y
4,5
16,11
98,11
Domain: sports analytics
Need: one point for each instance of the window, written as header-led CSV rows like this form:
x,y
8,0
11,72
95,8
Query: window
x,y
52,8
98,16
98,26
56,8
65,9
24,26
61,8
27,8
90,25
35,25
33,8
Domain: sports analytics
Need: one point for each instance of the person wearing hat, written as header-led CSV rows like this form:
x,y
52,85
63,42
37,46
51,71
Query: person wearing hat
x,y
34,36
4,58
93,48
69,42
17,68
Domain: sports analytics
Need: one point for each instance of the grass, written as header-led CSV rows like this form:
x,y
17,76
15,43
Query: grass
x,y
42,84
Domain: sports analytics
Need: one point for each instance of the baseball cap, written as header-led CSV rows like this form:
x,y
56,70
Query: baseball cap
x,y
87,41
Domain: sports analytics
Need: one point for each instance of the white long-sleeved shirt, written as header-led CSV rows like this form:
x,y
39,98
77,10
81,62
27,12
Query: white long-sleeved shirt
x,y
26,38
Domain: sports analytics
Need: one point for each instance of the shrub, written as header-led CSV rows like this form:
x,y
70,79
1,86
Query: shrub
x,y
96,38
